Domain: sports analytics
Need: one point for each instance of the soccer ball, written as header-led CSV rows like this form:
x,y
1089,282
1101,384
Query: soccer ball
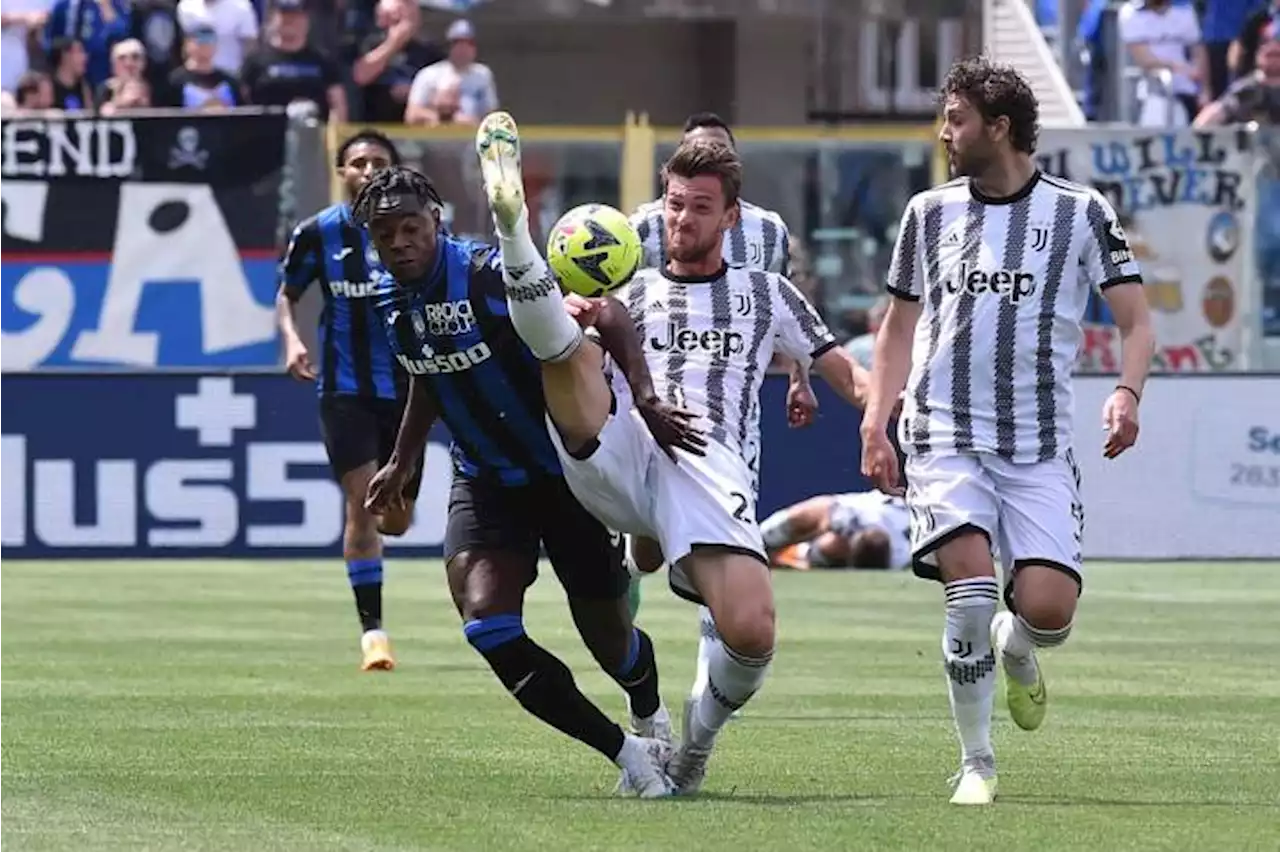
x,y
593,249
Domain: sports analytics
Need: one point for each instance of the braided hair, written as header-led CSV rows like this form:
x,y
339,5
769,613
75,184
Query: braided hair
x,y
394,180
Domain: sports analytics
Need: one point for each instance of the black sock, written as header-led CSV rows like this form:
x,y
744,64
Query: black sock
x,y
541,683
366,584
639,675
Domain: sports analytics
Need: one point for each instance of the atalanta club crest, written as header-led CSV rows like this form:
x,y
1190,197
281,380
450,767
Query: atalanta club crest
x,y
419,324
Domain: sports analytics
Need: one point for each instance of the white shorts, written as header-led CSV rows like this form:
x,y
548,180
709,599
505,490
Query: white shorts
x,y
1031,512
632,486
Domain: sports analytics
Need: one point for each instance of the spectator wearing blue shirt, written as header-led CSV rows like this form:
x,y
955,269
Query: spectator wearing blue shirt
x,y
1222,23
96,25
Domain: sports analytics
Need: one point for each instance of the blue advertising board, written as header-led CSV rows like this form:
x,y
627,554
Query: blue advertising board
x,y
167,465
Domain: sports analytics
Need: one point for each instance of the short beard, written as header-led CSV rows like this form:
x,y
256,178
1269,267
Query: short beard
x,y
693,255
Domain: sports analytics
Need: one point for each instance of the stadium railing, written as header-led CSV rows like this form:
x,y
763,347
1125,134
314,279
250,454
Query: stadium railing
x,y
841,189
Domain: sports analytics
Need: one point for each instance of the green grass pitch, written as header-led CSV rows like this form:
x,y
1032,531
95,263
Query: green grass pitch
x,y
218,706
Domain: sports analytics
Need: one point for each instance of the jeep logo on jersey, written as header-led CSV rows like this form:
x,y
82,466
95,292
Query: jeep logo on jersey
x,y
353,289
1013,284
448,319
719,343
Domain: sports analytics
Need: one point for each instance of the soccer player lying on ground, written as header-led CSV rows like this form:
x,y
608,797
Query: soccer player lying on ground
x,y
708,335
446,317
869,530
759,239
990,277
362,388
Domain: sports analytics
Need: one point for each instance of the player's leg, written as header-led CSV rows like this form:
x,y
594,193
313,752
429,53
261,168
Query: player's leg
x,y
953,513
349,427
735,588
706,527
533,295
492,547
588,560
578,397
1041,528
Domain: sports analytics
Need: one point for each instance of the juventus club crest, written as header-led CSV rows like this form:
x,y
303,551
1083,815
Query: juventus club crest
x,y
1039,237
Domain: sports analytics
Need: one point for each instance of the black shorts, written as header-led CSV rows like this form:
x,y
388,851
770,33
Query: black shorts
x,y
521,520
359,430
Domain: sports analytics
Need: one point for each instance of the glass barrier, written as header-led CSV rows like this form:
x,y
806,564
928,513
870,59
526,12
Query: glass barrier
x,y
562,169
842,197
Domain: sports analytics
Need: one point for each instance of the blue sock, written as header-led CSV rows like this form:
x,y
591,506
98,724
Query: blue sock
x,y
638,675
366,584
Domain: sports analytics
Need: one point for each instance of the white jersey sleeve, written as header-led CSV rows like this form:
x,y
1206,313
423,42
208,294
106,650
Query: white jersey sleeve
x,y
1106,259
800,332
906,268
647,220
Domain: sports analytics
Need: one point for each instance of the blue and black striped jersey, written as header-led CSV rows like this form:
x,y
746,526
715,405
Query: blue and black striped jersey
x,y
452,330
330,248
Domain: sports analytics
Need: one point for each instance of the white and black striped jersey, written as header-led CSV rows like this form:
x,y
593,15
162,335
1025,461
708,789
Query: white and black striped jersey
x,y
860,510
1005,283
759,240
709,340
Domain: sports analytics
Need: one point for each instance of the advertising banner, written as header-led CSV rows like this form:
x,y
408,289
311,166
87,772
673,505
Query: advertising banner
x,y
1185,198
165,465
139,242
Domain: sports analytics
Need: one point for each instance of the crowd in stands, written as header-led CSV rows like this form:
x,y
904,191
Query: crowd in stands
x,y
1203,63
356,60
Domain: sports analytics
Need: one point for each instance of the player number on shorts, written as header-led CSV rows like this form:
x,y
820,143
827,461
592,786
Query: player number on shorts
x,y
741,503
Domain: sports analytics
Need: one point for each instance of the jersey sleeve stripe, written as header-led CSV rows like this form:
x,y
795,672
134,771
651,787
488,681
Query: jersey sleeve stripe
x,y
902,294
1098,227
1121,279
904,272
811,325
823,350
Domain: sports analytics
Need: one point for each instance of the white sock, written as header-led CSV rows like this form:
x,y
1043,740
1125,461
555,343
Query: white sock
x,y
969,662
708,638
733,679
533,296
776,529
1019,648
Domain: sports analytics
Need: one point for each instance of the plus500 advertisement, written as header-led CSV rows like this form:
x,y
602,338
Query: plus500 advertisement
x,y
217,466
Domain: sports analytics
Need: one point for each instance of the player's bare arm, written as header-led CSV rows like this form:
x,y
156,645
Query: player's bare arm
x,y
671,427
298,269
296,358
891,365
1128,303
845,375
419,416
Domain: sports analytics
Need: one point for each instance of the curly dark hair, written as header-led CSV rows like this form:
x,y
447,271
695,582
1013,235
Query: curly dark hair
x,y
372,136
395,180
996,90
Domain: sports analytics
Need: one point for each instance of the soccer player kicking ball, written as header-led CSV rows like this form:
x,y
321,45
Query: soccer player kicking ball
x,y
990,277
708,334
361,387
445,316
759,239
